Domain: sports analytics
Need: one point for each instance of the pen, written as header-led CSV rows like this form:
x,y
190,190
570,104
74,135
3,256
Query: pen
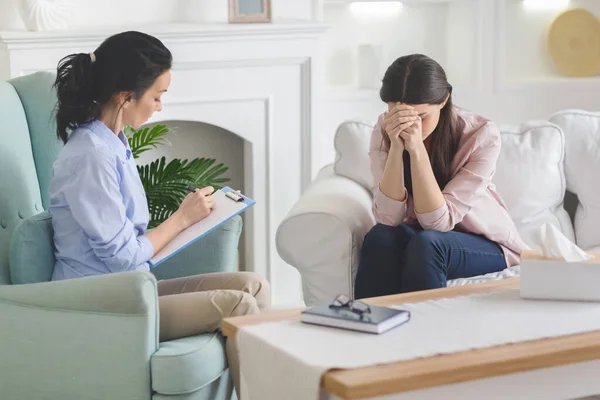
x,y
189,189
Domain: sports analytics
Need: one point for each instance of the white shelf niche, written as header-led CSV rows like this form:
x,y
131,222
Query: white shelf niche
x,y
527,60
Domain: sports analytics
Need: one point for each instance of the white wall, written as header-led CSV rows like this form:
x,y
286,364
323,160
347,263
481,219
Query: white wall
x,y
504,73
527,54
130,13
415,28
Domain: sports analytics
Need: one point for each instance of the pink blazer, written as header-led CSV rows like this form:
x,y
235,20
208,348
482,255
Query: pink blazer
x,y
472,203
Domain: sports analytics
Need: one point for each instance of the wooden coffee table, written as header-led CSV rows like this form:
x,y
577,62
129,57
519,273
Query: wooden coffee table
x,y
534,368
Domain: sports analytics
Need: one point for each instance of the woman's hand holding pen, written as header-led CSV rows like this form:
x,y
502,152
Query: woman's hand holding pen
x,y
197,205
194,207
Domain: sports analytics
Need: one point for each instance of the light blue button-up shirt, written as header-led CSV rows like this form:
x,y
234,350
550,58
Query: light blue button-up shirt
x,y
98,206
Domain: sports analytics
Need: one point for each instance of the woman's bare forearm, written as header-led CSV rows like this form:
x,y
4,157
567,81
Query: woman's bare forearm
x,y
392,180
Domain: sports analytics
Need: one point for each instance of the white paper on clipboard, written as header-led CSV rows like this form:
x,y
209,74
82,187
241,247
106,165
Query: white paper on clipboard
x,y
224,209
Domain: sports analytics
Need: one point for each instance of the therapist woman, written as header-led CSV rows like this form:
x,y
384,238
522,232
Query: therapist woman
x,y
97,201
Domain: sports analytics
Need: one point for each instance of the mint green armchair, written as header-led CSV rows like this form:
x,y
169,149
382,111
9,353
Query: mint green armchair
x,y
96,337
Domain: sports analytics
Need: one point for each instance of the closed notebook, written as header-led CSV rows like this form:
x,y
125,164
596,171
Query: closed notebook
x,y
379,320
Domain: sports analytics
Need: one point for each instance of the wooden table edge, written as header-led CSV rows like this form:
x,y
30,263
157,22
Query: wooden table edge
x,y
443,369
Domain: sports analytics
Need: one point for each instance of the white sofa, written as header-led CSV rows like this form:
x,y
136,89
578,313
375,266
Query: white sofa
x,y
541,164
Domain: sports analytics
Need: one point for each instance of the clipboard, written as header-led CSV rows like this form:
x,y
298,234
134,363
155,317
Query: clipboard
x,y
228,204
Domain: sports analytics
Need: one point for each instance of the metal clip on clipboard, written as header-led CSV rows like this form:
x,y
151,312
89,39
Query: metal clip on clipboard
x,y
235,196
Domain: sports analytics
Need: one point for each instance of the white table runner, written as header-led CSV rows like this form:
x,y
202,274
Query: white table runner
x,y
287,359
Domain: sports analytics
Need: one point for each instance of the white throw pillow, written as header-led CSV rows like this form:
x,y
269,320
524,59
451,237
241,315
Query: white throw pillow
x,y
582,133
351,144
530,177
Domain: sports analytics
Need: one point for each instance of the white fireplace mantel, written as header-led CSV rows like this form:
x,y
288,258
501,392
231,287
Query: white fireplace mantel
x,y
261,82
172,32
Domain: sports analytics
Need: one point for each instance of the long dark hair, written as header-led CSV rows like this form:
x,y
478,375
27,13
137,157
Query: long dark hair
x,y
126,62
418,79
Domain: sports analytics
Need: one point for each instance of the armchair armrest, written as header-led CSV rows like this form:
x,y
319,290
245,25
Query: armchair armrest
x,y
79,338
322,235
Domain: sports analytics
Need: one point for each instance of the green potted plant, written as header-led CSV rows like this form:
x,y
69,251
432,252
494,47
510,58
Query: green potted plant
x,y
164,181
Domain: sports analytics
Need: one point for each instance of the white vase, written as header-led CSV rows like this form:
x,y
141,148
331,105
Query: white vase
x,y
45,15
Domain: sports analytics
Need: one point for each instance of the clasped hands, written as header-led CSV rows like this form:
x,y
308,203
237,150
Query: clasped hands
x,y
404,127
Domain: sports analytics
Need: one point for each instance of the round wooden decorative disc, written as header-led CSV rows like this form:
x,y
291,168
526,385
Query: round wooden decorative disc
x,y
574,43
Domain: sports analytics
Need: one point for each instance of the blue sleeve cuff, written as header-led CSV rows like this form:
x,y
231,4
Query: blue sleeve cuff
x,y
146,249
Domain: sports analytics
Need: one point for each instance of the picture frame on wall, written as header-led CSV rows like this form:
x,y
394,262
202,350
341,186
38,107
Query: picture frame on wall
x,y
249,11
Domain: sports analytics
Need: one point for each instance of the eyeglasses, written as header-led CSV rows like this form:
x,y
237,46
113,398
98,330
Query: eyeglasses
x,y
343,301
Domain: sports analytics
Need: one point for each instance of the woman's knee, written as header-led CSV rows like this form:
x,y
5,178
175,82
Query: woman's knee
x,y
425,262
259,288
425,252
380,236
246,305
386,236
425,242
254,280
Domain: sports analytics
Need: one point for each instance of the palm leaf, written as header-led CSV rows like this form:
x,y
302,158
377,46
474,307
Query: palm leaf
x,y
146,139
160,214
164,183
205,174
199,165
128,130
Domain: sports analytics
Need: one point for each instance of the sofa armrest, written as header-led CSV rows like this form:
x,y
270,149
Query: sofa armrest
x,y
322,235
78,338
216,252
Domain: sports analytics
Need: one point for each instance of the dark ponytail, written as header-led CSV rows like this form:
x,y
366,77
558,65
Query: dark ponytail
x,y
74,91
418,79
126,62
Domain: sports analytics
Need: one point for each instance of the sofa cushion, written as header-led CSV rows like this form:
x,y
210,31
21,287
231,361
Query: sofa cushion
x,y
221,388
351,144
511,272
188,364
31,254
530,177
582,161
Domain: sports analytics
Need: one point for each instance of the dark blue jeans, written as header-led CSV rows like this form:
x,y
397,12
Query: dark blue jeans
x,y
400,259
